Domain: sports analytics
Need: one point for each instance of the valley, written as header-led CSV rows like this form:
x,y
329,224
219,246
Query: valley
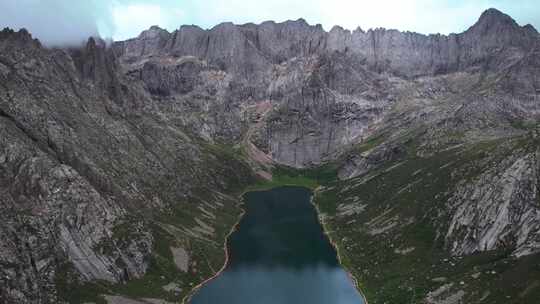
x,y
123,164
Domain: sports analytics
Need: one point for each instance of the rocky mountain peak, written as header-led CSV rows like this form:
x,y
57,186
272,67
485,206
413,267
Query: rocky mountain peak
x,y
493,20
300,22
156,28
224,25
96,42
251,47
148,42
154,32
20,36
337,28
190,26
531,29
493,14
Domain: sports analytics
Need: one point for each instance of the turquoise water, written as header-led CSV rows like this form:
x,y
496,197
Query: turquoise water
x,y
279,255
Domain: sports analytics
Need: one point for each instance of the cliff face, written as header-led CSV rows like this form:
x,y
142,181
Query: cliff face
x,y
83,152
249,48
233,70
327,88
489,43
459,225
112,158
499,208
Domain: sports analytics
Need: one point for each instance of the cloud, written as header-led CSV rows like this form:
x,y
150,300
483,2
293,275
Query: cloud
x,y
56,22
131,19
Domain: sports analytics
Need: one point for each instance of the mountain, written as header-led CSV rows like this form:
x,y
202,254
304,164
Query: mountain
x,y
122,165
334,85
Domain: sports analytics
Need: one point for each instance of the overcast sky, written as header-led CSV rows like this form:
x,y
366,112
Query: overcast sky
x,y
72,21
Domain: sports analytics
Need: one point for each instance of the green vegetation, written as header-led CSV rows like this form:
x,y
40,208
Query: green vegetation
x,y
392,247
370,143
223,180
73,291
206,253
162,270
523,124
285,176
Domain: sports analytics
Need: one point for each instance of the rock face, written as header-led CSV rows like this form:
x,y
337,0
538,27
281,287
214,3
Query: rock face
x,y
327,88
494,39
499,209
82,152
106,149
55,204
321,100
249,48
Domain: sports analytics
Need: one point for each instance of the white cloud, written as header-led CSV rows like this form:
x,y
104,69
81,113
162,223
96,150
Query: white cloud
x,y
129,20
55,22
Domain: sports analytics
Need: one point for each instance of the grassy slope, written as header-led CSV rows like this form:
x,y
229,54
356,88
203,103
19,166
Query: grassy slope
x,y
384,276
207,257
168,229
412,196
286,176
207,254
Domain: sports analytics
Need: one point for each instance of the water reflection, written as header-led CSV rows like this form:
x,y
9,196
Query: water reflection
x,y
279,255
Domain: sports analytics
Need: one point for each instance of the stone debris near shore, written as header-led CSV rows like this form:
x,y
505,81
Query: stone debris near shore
x,y
181,258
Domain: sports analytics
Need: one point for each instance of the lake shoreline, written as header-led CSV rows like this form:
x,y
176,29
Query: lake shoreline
x,y
233,229
353,279
196,288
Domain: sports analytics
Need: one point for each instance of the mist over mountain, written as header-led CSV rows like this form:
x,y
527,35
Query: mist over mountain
x,y
56,22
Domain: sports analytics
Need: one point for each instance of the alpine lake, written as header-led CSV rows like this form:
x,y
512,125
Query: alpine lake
x,y
279,254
